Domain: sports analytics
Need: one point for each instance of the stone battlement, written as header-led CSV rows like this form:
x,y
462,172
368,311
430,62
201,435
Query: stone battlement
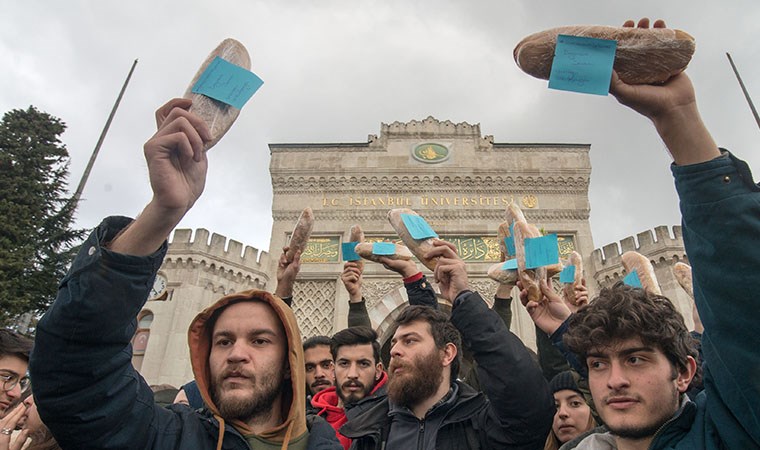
x,y
428,127
219,248
649,244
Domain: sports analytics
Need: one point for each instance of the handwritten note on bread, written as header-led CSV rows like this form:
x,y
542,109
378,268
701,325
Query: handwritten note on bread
x,y
643,56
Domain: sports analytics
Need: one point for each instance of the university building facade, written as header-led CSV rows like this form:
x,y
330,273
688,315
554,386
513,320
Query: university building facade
x,y
460,181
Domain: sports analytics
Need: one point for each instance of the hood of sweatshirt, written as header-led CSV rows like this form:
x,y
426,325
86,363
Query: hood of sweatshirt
x,y
294,391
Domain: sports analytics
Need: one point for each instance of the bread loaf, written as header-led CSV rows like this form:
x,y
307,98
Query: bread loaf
x,y
643,267
420,247
218,116
682,273
355,234
530,278
364,250
502,234
568,290
643,55
504,276
301,234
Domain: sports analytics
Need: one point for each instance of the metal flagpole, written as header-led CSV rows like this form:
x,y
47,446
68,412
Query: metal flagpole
x,y
744,89
86,174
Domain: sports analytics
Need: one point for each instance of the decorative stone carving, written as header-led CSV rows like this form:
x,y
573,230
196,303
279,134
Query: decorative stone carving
x,y
374,291
486,289
314,306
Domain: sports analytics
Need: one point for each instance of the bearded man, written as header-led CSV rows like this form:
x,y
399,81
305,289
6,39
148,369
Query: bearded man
x,y
427,407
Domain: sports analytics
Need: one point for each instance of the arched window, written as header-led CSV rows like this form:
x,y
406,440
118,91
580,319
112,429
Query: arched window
x,y
140,340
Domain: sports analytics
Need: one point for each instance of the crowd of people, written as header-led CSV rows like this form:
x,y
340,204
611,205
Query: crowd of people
x,y
620,371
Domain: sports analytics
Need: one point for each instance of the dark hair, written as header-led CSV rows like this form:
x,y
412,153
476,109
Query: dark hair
x,y
443,331
355,336
623,312
316,341
14,344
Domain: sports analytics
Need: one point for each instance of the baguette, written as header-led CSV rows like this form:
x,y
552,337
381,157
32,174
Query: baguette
x,y
301,234
682,273
218,116
643,55
514,214
530,278
568,290
504,276
355,234
643,267
419,247
502,234
364,249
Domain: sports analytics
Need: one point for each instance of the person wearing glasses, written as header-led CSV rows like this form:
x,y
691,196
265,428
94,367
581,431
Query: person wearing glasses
x,y
14,359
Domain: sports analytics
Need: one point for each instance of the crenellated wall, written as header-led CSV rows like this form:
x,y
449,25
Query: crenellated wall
x,y
200,268
663,249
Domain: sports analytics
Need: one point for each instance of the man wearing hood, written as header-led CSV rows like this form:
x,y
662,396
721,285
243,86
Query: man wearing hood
x,y
245,349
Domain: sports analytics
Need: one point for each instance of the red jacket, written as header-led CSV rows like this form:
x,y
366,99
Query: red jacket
x,y
326,404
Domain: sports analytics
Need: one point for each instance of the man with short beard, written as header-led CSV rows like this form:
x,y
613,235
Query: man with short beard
x,y
245,349
359,377
320,367
427,407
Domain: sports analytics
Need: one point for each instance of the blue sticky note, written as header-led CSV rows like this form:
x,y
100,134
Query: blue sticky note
x,y
510,264
567,275
383,248
227,83
582,64
348,251
510,241
632,279
541,251
418,228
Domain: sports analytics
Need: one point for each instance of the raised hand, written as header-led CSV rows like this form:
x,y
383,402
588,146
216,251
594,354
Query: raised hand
x,y
287,271
177,164
450,272
549,313
404,267
352,280
672,108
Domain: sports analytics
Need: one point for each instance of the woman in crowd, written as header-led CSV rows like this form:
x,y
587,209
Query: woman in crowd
x,y
573,416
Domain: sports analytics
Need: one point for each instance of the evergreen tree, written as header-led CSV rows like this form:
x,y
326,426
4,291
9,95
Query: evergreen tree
x,y
36,237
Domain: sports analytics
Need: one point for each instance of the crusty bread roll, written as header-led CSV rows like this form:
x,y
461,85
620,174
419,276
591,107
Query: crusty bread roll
x,y
218,116
301,233
643,267
682,273
502,234
568,290
514,214
530,278
643,55
504,276
420,247
355,234
364,250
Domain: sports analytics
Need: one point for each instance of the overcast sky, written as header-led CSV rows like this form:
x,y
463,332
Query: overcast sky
x,y
334,70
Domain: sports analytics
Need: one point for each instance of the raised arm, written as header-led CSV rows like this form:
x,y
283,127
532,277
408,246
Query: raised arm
x,y
287,272
720,207
521,405
418,289
86,389
358,316
672,108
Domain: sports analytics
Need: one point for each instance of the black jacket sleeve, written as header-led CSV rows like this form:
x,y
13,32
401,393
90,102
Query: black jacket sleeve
x,y
521,406
358,315
420,292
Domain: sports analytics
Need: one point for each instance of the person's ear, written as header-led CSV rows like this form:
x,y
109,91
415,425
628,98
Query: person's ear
x,y
378,371
683,379
449,354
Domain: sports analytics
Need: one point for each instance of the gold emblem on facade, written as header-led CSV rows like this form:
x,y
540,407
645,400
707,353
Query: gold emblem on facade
x,y
430,153
530,201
